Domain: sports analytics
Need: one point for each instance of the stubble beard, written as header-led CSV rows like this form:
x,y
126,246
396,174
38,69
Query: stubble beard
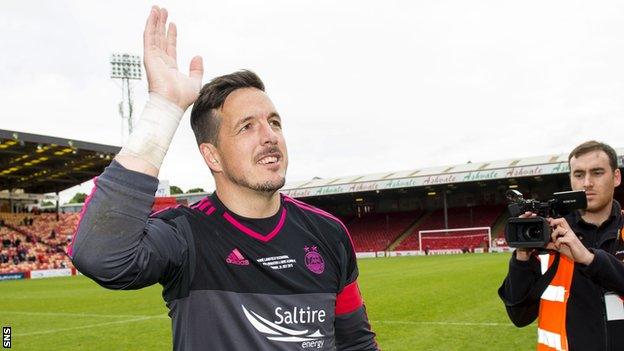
x,y
268,186
599,206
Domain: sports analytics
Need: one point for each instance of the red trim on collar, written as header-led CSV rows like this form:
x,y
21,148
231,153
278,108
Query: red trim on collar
x,y
254,234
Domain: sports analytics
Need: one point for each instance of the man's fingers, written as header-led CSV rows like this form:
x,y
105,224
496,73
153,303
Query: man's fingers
x,y
554,234
196,68
528,215
149,35
551,246
558,232
161,33
558,222
172,35
563,240
552,221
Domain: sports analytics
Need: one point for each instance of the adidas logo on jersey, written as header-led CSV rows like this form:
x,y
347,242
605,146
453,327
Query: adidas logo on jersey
x,y
236,258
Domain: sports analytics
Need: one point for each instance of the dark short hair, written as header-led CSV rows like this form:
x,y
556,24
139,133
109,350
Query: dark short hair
x,y
593,145
205,121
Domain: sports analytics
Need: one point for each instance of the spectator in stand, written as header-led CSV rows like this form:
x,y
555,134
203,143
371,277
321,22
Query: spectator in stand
x,y
53,234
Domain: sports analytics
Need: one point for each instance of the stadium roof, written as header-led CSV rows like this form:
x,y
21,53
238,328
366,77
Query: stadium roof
x,y
45,164
468,172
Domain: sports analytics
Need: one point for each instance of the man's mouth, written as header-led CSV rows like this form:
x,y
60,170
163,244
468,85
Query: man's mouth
x,y
269,159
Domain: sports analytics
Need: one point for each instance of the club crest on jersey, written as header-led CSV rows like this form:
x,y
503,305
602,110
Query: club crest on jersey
x,y
313,260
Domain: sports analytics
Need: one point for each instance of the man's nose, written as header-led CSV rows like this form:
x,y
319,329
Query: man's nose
x,y
268,135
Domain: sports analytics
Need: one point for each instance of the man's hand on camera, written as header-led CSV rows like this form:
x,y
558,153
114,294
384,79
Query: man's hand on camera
x,y
564,240
523,254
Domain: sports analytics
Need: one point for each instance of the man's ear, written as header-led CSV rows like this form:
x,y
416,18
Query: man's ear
x,y
618,177
211,157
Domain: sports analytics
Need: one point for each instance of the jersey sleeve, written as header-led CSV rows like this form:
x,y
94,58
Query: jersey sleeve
x,y
117,243
517,290
352,328
607,270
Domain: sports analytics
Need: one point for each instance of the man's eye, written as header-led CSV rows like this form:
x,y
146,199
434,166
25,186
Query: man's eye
x,y
276,124
245,127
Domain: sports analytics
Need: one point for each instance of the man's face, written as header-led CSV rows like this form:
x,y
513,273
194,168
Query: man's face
x,y
251,148
591,172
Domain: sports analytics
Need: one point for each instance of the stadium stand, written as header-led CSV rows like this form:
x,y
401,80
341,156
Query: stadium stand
x,y
35,241
458,217
32,167
376,231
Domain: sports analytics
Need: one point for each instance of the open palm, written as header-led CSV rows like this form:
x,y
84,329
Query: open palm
x,y
161,65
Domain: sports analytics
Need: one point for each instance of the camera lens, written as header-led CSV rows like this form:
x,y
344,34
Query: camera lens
x,y
533,233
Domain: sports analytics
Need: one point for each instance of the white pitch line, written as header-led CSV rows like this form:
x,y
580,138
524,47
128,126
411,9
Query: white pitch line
x,y
465,324
68,314
88,326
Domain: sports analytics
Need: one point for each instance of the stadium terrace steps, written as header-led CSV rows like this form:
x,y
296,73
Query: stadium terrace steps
x,y
498,229
409,231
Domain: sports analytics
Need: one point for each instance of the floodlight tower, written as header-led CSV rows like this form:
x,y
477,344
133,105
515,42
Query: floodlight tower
x,y
125,67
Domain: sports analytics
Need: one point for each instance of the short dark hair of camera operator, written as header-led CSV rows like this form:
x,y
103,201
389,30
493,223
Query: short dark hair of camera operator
x,y
593,145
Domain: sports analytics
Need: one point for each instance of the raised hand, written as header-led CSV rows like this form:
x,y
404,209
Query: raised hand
x,y
161,66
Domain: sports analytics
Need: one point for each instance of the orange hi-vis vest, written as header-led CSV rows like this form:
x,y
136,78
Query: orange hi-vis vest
x,y
551,323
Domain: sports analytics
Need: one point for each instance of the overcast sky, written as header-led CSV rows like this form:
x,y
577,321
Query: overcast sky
x,y
362,86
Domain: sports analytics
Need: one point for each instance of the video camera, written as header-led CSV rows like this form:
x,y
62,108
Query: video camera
x,y
535,232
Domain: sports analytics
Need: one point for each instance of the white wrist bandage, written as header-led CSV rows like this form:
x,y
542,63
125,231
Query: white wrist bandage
x,y
152,136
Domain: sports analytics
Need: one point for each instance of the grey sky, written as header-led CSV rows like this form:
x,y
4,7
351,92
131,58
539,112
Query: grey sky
x,y
362,86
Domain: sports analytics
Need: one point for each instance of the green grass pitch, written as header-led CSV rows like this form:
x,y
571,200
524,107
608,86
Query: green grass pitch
x,y
414,303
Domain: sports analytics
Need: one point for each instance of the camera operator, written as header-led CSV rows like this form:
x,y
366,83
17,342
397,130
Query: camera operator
x,y
575,289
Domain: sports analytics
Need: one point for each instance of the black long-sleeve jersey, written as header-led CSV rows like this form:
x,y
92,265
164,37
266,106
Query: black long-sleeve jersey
x,y
228,286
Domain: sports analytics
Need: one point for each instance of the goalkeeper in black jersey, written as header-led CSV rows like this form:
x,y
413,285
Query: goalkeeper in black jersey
x,y
245,268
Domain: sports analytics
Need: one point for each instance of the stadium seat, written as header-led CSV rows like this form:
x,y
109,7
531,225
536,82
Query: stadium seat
x,y
376,231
